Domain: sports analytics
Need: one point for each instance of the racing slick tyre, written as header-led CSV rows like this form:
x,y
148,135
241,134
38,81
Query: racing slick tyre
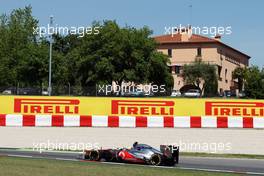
x,y
108,156
94,155
155,160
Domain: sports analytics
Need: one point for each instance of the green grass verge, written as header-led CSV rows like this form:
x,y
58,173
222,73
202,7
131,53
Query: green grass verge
x,y
245,156
44,167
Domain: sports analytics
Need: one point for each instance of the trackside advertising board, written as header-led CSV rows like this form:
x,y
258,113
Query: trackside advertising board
x,y
130,106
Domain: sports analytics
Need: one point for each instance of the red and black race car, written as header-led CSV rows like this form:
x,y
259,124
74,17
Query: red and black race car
x,y
140,153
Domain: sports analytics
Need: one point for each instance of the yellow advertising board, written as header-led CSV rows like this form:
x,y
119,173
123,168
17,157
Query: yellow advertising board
x,y
131,106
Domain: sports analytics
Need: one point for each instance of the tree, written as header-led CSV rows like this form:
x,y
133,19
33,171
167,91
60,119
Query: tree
x,y
254,82
201,75
122,55
159,71
239,73
252,78
119,54
21,58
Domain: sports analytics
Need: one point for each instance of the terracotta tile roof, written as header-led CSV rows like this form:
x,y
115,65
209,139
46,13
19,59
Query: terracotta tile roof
x,y
177,38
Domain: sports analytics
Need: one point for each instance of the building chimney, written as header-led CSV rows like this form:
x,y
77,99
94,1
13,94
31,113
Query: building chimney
x,y
217,37
186,33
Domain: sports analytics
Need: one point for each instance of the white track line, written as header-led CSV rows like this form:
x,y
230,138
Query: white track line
x,y
21,156
223,171
222,158
65,159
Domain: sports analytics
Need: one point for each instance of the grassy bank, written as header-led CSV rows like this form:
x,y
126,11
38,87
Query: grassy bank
x,y
44,167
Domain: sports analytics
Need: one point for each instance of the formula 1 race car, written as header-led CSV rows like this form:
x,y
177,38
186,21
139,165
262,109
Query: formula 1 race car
x,y
168,155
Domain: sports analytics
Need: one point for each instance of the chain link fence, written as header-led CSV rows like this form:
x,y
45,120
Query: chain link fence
x,y
68,90
97,91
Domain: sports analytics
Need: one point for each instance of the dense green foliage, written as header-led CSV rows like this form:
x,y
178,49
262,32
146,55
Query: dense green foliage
x,y
239,73
20,55
254,82
115,54
203,76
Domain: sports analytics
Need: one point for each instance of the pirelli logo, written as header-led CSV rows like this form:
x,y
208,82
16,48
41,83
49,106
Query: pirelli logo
x,y
245,109
46,106
142,107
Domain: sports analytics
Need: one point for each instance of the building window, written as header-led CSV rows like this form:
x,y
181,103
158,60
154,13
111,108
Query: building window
x,y
225,75
172,69
170,52
177,69
199,51
219,72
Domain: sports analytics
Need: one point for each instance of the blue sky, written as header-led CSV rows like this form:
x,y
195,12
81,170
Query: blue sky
x,y
244,16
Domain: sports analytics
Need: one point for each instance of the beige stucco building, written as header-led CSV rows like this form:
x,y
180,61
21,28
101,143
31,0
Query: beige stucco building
x,y
184,48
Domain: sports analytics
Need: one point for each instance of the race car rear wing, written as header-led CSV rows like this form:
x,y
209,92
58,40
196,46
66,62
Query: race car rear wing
x,y
171,151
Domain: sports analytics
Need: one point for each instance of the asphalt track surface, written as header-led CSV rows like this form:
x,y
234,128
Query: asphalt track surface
x,y
212,164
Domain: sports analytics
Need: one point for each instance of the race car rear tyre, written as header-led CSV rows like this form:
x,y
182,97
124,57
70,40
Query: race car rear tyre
x,y
94,155
155,160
